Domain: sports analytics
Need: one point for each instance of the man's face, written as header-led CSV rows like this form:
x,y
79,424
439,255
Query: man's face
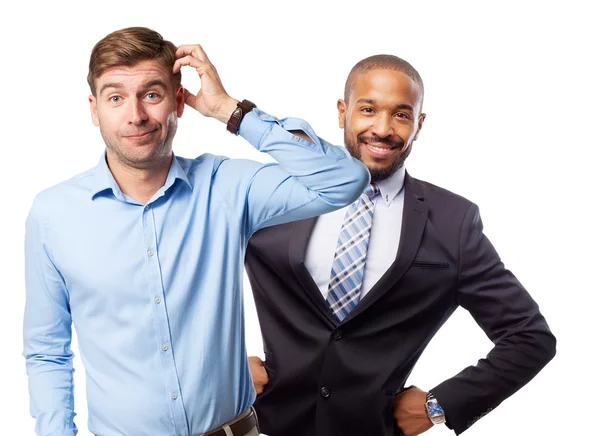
x,y
381,119
136,109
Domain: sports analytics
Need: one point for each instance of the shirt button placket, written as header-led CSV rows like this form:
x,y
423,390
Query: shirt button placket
x,y
162,331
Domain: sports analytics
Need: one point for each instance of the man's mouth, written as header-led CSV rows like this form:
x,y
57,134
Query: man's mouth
x,y
141,136
380,150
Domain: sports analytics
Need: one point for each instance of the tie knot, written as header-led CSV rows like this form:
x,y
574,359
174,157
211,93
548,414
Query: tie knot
x,y
372,191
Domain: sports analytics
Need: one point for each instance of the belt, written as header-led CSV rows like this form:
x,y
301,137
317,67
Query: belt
x,y
239,426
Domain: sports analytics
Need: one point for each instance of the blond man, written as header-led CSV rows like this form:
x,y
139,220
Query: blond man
x,y
143,254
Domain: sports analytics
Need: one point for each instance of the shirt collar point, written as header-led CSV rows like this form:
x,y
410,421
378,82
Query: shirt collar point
x,y
391,187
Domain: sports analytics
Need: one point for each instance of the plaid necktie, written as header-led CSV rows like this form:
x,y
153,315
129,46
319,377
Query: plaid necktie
x,y
350,255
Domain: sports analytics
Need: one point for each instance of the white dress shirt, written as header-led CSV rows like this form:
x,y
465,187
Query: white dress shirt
x,y
383,243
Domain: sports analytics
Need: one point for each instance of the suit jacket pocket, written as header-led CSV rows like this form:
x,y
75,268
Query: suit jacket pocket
x,y
431,265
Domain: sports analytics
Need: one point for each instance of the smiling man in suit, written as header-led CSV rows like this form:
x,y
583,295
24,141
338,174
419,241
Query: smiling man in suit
x,y
348,301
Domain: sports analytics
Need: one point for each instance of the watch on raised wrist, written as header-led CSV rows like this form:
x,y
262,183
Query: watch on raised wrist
x,y
243,107
434,410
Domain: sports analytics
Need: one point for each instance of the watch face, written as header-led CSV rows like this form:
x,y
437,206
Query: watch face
x,y
434,409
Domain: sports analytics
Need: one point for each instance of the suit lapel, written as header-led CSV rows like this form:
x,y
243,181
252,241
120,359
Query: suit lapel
x,y
301,232
414,218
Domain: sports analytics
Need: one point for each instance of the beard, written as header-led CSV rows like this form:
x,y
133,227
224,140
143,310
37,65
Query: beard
x,y
354,148
147,155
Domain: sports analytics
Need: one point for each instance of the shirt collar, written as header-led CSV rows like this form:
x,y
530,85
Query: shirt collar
x,y
104,182
392,186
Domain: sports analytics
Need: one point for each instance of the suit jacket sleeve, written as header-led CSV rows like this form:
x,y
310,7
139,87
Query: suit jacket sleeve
x,y
523,343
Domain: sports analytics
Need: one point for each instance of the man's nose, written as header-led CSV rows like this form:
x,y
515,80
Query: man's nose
x,y
138,113
382,126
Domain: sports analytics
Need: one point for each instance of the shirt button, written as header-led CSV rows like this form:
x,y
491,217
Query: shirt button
x,y
337,335
146,207
165,347
157,300
150,253
325,392
174,396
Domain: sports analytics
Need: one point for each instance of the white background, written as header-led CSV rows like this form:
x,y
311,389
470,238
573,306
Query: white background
x,y
512,101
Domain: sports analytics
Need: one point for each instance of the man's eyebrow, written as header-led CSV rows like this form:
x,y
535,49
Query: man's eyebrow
x,y
156,82
373,102
149,84
110,85
405,107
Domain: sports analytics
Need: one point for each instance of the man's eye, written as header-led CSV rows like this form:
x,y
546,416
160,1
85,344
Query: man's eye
x,y
367,110
152,96
115,99
402,115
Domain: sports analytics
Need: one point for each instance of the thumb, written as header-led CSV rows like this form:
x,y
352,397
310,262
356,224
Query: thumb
x,y
190,99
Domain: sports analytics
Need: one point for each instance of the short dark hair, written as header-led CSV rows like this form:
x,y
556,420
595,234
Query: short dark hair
x,y
127,47
383,62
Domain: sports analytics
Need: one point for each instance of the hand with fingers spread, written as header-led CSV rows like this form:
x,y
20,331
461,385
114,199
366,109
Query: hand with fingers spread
x,y
259,374
409,412
211,100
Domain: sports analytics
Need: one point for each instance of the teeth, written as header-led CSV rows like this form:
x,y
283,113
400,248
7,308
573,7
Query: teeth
x,y
379,148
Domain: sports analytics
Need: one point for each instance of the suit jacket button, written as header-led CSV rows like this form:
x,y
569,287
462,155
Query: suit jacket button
x,y
325,392
337,335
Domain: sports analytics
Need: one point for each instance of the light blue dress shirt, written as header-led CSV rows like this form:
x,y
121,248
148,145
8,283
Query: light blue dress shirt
x,y
155,291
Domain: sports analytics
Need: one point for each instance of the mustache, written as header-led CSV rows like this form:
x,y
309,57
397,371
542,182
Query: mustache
x,y
376,139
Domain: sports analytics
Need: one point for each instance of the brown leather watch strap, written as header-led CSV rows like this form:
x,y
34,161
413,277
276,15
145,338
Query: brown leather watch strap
x,y
245,106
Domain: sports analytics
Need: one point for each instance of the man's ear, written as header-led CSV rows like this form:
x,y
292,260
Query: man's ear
x,y
420,125
341,107
94,110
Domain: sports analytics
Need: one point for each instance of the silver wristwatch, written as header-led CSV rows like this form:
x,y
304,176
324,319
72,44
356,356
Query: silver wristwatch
x,y
434,410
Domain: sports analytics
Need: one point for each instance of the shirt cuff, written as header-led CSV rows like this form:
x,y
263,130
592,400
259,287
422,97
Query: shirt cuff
x,y
255,124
